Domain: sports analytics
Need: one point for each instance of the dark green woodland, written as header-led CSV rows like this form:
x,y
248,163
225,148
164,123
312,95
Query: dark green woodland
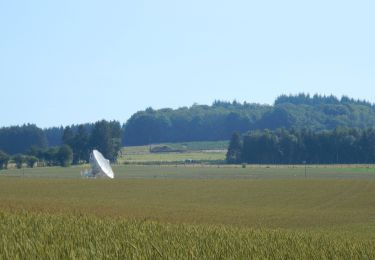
x,y
315,129
221,119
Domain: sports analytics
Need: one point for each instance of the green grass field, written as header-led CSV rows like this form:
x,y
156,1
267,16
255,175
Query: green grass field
x,y
189,212
186,146
173,157
189,151
198,171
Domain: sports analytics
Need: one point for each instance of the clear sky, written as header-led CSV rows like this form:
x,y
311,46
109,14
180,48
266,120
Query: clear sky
x,y
73,61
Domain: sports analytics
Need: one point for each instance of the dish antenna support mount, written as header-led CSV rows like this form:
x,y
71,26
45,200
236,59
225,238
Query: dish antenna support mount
x,y
100,166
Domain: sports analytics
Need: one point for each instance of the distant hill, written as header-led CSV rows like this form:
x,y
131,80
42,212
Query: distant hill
x,y
211,123
221,119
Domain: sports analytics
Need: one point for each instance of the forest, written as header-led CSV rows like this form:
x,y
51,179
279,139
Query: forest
x,y
281,146
299,115
29,144
221,119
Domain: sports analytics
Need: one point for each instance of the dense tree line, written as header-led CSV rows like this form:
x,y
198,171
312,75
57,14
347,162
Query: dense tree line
x,y
18,139
27,144
281,146
54,156
103,135
196,123
54,135
221,119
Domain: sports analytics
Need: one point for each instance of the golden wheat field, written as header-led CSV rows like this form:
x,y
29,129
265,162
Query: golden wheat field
x,y
189,213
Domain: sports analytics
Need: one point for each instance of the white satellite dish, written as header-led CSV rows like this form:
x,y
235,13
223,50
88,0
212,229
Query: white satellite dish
x,y
100,166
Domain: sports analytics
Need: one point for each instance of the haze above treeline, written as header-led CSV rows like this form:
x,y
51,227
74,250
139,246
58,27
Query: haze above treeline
x,y
213,122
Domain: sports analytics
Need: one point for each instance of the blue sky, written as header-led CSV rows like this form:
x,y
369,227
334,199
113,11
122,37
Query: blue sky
x,y
64,62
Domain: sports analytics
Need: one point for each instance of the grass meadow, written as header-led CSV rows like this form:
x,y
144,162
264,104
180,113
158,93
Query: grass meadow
x,y
189,212
189,151
173,157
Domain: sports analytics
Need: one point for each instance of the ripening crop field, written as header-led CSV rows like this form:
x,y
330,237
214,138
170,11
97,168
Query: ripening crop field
x,y
36,236
189,212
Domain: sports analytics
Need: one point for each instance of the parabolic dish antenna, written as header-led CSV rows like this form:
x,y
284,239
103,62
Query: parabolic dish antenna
x,y
100,166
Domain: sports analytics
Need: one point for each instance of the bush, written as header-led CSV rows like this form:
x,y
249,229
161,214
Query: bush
x,y
19,159
164,149
31,161
4,159
65,156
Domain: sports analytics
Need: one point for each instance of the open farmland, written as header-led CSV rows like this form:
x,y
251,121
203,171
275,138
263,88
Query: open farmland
x,y
198,171
254,211
35,236
181,152
179,157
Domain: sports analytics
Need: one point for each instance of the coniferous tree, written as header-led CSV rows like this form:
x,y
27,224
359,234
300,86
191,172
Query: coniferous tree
x,y
234,151
341,145
106,137
81,145
68,136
